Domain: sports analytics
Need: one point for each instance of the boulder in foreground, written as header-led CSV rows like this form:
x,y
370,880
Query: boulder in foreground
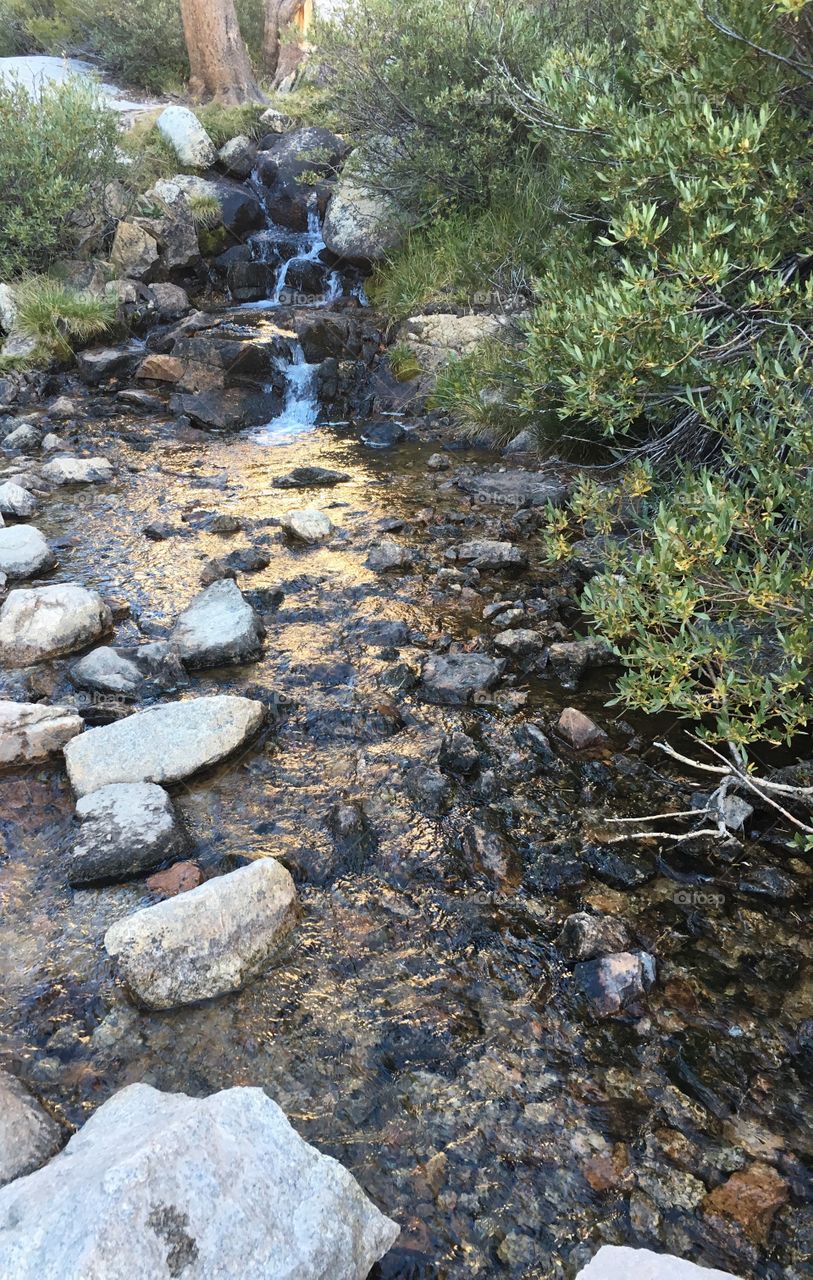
x,y
28,1134
45,622
126,828
162,1185
616,1262
32,731
214,939
164,743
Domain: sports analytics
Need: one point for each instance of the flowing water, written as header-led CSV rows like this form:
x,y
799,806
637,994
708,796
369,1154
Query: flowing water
x,y
421,1025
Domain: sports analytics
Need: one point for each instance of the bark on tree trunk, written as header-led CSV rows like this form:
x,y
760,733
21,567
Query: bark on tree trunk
x,y
278,13
218,57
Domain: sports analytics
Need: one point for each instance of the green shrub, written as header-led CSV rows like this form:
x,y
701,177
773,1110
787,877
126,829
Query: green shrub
x,y
403,362
57,150
61,319
676,325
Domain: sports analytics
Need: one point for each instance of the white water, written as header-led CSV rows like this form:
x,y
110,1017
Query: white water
x,y
300,407
310,245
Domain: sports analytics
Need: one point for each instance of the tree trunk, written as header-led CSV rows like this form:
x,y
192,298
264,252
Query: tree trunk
x,y
218,57
278,13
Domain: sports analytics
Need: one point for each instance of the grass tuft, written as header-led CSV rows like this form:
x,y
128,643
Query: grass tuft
x,y
61,319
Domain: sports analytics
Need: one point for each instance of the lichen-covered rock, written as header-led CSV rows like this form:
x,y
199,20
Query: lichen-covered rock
x,y
362,225
214,939
135,251
125,828
161,1185
189,140
45,622
32,731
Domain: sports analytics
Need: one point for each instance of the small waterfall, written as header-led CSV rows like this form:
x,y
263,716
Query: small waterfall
x,y
308,246
300,407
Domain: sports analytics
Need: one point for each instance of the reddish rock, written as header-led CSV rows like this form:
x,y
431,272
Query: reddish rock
x,y
161,368
607,1172
751,1197
579,730
176,879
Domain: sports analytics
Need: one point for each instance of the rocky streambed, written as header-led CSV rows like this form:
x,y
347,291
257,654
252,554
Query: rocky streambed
x,y
523,1039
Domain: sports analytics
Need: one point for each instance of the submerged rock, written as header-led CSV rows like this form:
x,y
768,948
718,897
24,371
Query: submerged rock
x,y
752,1197
28,1136
214,939
162,1185
454,678
579,730
24,552
585,936
68,470
164,743
46,622
308,478
219,626
615,981
617,1262
126,828
32,731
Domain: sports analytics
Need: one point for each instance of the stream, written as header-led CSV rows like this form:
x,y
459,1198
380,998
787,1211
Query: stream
x,y
421,1025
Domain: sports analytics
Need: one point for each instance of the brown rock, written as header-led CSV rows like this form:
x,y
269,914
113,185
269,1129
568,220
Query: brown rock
x,y
751,1197
579,730
607,1172
161,368
178,878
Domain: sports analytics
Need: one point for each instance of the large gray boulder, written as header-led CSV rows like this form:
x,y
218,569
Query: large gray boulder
x,y
455,678
214,939
125,828
189,140
164,743
32,731
218,627
28,1135
45,622
618,1262
66,469
160,1185
361,224
24,552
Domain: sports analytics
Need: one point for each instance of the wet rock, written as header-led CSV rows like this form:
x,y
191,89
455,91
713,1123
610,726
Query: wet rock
x,y
578,730
438,462
382,435
214,939
585,936
570,659
24,552
69,470
45,622
126,828
158,531
621,870
485,553
388,556
95,364
455,678
458,754
106,671
189,140
513,488
29,1136
179,878
169,301
251,281
429,787
137,399
164,743
226,409
307,525
752,1197
531,736
16,501
237,156
613,982
149,1187
25,437
489,853
617,1262
308,478
32,731
521,643
218,627
135,252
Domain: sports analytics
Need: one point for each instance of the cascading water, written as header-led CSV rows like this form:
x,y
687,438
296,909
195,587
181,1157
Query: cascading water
x,y
300,408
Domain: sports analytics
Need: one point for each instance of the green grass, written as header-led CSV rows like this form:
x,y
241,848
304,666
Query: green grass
x,y
480,393
154,158
59,318
403,362
483,260
205,210
224,123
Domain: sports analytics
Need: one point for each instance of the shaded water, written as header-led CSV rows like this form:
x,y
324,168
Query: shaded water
x,y
420,1025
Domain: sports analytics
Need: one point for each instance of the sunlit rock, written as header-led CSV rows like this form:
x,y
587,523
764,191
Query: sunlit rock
x,y
32,731
617,1262
307,525
46,622
189,140
125,828
219,626
24,552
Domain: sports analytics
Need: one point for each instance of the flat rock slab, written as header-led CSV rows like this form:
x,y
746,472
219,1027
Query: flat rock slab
x,y
126,828
307,478
45,622
454,678
16,501
160,1185
28,1135
32,731
204,943
513,488
617,1262
69,470
218,627
164,743
24,552
485,553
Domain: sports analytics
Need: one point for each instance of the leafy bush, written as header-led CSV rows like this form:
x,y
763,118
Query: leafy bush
x,y
57,149
676,324
59,318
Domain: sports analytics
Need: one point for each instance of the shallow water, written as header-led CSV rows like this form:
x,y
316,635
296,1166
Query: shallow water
x,y
420,1025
